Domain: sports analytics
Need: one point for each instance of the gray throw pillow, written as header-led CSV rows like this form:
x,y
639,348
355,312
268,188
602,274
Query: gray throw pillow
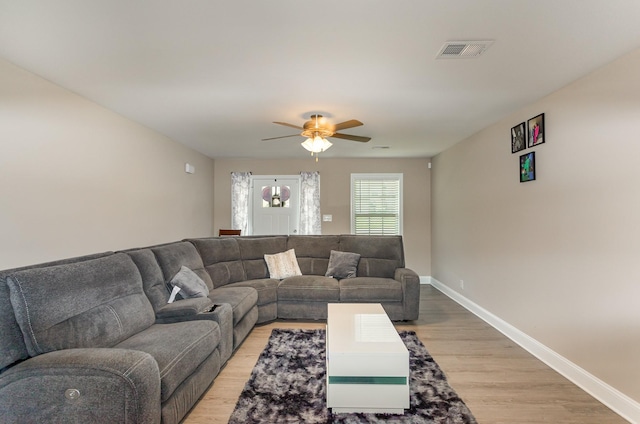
x,y
189,283
342,264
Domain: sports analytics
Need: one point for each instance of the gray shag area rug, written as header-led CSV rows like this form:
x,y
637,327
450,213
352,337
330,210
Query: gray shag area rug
x,y
288,385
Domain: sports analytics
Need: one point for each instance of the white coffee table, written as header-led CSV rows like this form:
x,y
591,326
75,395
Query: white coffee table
x,y
367,362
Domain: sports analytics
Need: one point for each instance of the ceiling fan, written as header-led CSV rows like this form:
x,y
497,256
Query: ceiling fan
x,y
317,129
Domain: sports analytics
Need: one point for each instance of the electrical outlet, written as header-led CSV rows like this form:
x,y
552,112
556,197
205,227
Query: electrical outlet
x,y
462,284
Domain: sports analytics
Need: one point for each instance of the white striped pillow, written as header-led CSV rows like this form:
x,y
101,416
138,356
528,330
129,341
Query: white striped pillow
x,y
283,265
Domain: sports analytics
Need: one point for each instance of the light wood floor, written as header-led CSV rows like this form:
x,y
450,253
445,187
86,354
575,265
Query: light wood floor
x,y
498,380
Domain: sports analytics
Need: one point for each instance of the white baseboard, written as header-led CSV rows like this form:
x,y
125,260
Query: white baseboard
x,y
425,279
617,401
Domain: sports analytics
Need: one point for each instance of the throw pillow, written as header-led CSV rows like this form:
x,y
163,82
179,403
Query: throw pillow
x,y
189,283
283,265
342,264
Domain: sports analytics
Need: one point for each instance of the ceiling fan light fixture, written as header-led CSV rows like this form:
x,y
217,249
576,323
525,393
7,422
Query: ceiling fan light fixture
x,y
316,144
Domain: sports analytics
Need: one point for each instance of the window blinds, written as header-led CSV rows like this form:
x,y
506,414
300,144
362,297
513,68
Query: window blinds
x,y
376,206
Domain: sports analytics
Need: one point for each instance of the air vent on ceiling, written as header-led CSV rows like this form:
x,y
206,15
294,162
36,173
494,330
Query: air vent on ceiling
x,y
463,49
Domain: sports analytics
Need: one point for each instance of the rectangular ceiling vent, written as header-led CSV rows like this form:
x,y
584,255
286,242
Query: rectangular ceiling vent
x,y
463,49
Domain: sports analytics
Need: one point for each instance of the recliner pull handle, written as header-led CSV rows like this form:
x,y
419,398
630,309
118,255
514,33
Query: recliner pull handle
x,y
72,394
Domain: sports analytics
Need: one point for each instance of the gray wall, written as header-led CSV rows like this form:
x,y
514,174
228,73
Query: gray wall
x,y
76,178
557,257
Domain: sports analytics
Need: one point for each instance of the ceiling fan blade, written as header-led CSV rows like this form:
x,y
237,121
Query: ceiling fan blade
x,y
347,124
289,125
352,137
284,136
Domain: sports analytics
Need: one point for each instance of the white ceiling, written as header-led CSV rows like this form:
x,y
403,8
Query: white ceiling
x,y
213,75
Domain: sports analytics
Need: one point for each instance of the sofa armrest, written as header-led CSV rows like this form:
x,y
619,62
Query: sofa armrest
x,y
181,309
202,308
82,385
411,291
406,274
223,315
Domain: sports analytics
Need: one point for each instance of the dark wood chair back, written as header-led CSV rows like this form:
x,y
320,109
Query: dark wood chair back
x,y
229,232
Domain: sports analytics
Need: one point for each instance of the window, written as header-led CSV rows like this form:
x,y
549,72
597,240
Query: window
x,y
376,204
276,196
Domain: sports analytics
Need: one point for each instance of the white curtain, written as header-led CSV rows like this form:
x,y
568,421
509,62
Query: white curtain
x,y
310,220
240,192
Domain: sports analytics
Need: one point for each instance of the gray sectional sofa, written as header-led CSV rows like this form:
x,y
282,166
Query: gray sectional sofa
x,y
94,339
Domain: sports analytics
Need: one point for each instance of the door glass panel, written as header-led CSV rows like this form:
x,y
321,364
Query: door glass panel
x,y
276,196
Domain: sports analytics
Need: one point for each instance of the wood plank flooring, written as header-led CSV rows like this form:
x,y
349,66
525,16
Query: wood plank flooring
x,y
498,380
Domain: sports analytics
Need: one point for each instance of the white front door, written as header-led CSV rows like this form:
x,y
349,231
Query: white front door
x,y
275,205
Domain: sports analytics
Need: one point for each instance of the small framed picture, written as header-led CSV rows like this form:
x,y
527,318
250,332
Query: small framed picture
x,y
518,134
528,167
535,127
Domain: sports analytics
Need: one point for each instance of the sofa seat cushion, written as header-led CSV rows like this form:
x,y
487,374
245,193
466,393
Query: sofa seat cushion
x,y
314,288
370,289
267,289
241,299
177,348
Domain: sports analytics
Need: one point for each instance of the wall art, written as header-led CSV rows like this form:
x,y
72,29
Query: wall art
x,y
518,134
528,167
535,127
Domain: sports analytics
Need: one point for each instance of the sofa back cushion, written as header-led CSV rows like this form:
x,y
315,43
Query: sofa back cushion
x,y
252,251
152,278
313,252
379,255
94,303
173,256
12,347
221,258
